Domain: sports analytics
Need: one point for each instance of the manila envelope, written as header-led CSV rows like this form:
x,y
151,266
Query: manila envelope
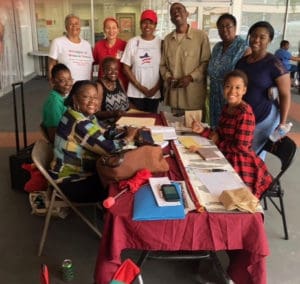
x,y
190,116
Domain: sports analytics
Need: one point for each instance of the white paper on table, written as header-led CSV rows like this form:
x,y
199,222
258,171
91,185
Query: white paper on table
x,y
136,121
156,184
167,132
187,200
216,182
194,140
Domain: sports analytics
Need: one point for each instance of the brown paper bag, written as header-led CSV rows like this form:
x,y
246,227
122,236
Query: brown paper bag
x,y
241,199
191,115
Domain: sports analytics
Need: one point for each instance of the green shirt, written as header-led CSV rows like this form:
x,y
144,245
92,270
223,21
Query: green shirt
x,y
53,109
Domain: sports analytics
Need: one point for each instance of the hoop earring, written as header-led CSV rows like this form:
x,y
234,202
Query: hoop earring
x,y
76,107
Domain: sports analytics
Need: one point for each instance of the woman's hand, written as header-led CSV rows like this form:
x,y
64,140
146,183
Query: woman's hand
x,y
197,127
193,149
131,133
214,137
118,113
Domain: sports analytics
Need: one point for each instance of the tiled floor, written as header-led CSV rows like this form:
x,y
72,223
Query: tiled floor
x,y
20,231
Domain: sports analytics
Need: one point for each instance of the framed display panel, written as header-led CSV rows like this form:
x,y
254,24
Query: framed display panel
x,y
127,25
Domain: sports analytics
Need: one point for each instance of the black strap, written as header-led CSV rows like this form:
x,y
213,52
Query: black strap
x,y
16,116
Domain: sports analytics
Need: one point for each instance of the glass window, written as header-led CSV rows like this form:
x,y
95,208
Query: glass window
x,y
203,14
11,64
50,21
253,12
292,32
50,17
274,12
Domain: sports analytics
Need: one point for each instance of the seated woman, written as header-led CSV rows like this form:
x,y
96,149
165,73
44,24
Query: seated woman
x,y
79,142
234,134
115,101
54,108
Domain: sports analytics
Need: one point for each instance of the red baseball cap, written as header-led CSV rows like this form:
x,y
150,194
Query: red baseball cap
x,y
149,15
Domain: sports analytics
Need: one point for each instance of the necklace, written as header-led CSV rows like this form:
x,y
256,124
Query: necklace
x,y
109,85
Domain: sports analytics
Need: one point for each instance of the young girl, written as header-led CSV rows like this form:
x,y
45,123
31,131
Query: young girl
x,y
234,134
54,107
115,101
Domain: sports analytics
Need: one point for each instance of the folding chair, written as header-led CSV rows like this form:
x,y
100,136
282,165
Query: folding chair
x,y
284,149
42,155
223,277
45,132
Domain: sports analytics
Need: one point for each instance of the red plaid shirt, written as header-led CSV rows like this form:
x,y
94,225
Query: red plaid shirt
x,y
235,132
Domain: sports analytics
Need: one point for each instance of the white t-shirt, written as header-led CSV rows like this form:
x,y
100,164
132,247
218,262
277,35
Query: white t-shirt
x,y
144,58
77,57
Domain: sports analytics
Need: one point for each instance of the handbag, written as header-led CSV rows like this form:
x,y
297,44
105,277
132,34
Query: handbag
x,y
125,164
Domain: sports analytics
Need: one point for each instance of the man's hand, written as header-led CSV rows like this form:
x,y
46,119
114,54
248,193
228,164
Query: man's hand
x,y
184,81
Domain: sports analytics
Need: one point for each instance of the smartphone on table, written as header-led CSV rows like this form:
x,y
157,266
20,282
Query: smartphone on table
x,y
170,193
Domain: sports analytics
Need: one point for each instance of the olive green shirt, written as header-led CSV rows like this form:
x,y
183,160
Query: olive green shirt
x,y
182,57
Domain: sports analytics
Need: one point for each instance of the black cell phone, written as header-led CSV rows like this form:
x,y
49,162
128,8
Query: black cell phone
x,y
170,192
144,137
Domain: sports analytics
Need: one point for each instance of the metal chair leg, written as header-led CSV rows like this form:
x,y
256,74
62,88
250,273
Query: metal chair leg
x,y
286,234
265,204
142,258
46,224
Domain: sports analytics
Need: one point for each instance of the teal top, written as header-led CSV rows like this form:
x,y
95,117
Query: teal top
x,y
221,63
53,109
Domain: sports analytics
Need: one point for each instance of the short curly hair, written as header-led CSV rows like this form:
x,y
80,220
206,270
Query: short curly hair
x,y
77,88
236,73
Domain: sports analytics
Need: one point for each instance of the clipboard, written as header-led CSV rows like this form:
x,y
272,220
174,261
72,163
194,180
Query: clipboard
x,y
145,207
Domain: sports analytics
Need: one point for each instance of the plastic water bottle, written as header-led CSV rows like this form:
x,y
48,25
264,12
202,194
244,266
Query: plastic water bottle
x,y
281,131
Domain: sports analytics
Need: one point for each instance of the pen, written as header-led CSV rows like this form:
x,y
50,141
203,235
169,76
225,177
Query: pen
x,y
209,170
218,170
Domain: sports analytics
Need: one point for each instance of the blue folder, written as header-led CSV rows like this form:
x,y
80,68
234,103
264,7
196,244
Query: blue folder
x,y
146,209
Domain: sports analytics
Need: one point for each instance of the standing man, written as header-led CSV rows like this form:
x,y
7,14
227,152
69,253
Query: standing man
x,y
184,62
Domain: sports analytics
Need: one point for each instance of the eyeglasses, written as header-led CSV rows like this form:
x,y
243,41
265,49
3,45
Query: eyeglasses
x,y
227,27
65,82
89,99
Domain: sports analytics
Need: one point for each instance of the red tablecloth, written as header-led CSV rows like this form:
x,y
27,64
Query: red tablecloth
x,y
241,235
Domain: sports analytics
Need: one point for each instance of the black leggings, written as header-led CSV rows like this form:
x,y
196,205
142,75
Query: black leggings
x,y
87,190
145,104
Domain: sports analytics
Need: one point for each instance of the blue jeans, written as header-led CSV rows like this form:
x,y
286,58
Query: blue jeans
x,y
294,68
263,130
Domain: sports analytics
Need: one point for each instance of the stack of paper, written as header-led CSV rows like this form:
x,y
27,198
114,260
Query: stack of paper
x,y
163,133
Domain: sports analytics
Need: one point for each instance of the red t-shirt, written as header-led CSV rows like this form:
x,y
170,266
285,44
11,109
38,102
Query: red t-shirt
x,y
102,50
